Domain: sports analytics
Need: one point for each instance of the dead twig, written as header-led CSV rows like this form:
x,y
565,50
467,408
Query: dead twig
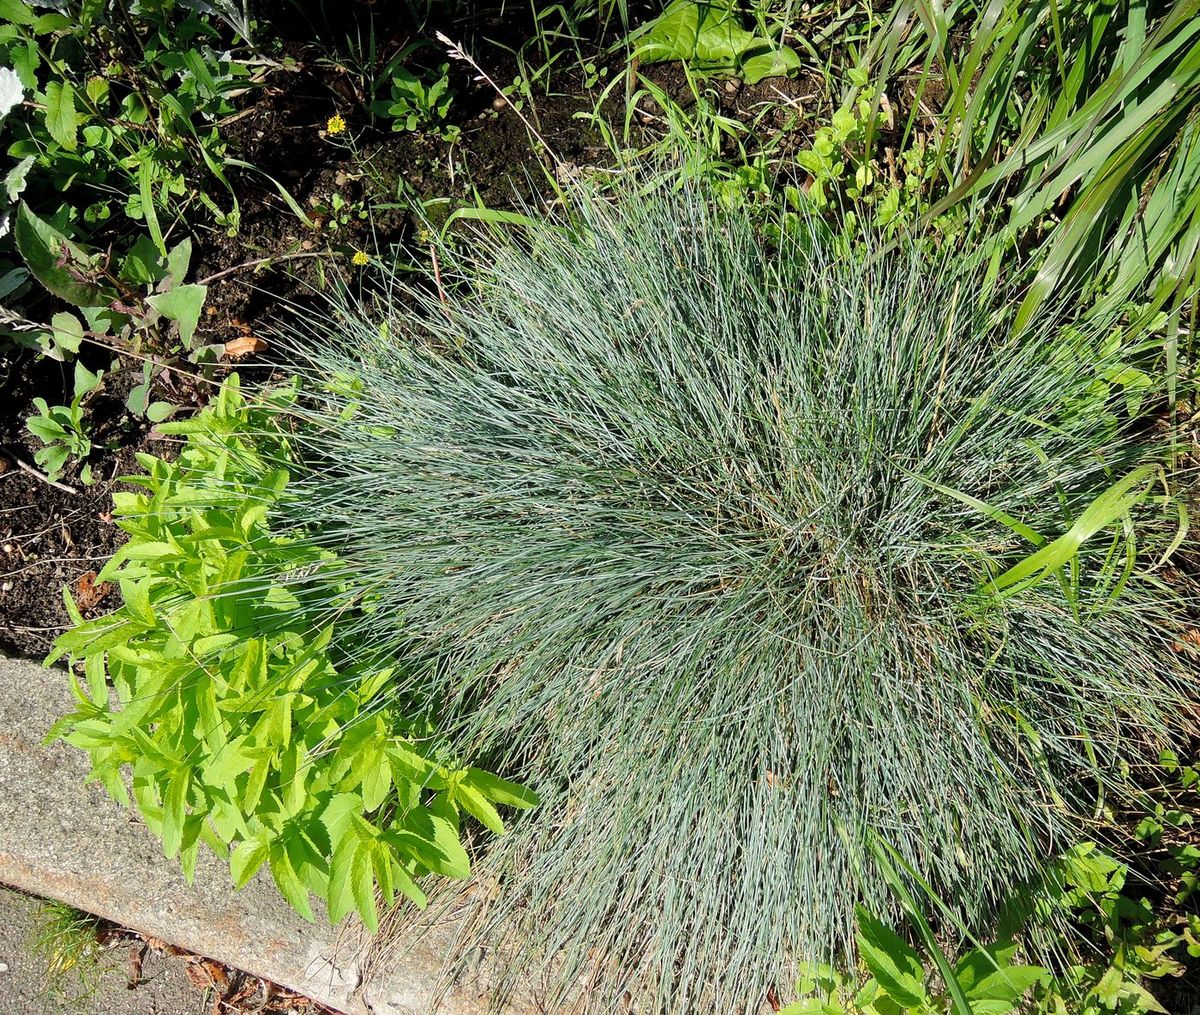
x,y
41,475
458,53
258,262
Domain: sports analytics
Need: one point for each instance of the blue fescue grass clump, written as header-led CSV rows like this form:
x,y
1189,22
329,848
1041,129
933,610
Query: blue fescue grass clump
x,y
749,557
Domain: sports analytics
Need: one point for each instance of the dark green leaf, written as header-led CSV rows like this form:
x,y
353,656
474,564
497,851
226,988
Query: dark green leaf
x,y
43,247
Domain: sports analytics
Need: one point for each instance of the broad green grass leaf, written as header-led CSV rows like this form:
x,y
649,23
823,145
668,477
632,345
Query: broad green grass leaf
x,y
150,211
1110,506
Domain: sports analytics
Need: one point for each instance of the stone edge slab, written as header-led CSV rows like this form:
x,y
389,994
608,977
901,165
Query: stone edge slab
x,y
63,839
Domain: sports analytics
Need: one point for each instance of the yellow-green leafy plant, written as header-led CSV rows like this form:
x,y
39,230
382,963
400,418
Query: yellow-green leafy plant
x,y
240,724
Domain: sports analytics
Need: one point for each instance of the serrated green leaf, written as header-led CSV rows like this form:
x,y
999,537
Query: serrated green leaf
x,y
16,12
362,886
137,602
97,90
501,791
213,643
444,821
288,881
339,894
891,960
409,766
338,814
222,768
246,859
174,810
151,549
61,119
475,804
372,768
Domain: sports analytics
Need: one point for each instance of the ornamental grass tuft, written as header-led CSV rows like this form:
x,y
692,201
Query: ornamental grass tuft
x,y
753,558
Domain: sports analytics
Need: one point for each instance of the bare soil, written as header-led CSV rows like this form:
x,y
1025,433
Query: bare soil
x,y
51,537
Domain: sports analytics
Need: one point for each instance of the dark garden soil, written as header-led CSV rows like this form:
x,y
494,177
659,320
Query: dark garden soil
x,y
55,536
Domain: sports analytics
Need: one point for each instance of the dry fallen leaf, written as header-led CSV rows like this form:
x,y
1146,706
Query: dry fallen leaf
x,y
136,953
204,973
1189,639
244,346
89,592
157,944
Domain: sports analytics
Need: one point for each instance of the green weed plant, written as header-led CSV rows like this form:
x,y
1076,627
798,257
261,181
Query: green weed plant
x,y
241,728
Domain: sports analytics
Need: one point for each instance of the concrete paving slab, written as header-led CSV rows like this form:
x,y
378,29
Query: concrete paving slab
x,y
65,840
97,986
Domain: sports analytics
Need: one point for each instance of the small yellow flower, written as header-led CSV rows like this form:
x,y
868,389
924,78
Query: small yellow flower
x,y
335,124
360,258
